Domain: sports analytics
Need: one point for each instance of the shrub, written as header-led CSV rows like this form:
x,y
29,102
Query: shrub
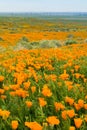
x,y
50,44
2,49
69,42
35,45
85,41
23,43
70,36
24,39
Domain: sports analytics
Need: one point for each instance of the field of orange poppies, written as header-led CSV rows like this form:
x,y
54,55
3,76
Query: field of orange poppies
x,y
43,88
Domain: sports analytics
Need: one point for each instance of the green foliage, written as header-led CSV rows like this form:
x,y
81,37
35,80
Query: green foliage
x,y
25,44
24,39
70,42
50,44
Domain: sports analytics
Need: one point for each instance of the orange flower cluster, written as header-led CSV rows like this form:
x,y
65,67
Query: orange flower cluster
x,y
59,106
1,78
53,120
4,114
44,87
64,76
46,91
42,102
68,113
33,125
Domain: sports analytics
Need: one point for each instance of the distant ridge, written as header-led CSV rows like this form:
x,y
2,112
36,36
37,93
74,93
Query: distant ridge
x,y
26,14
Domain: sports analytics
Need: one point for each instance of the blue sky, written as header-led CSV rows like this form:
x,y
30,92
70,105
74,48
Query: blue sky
x,y
43,5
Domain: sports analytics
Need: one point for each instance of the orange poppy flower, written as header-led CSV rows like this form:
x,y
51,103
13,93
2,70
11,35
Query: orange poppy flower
x,y
46,91
28,103
33,125
71,113
64,114
33,89
14,124
72,128
42,102
69,100
53,120
78,122
59,106
85,106
1,78
81,103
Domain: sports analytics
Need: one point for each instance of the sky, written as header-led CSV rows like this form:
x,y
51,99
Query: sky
x,y
43,5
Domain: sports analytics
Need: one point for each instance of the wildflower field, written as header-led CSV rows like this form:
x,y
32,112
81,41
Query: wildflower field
x,y
43,88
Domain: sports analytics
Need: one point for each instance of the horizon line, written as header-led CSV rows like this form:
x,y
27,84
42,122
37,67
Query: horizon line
x,y
44,12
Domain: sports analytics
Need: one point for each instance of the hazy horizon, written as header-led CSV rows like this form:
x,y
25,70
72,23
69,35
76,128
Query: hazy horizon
x,y
42,12
19,6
